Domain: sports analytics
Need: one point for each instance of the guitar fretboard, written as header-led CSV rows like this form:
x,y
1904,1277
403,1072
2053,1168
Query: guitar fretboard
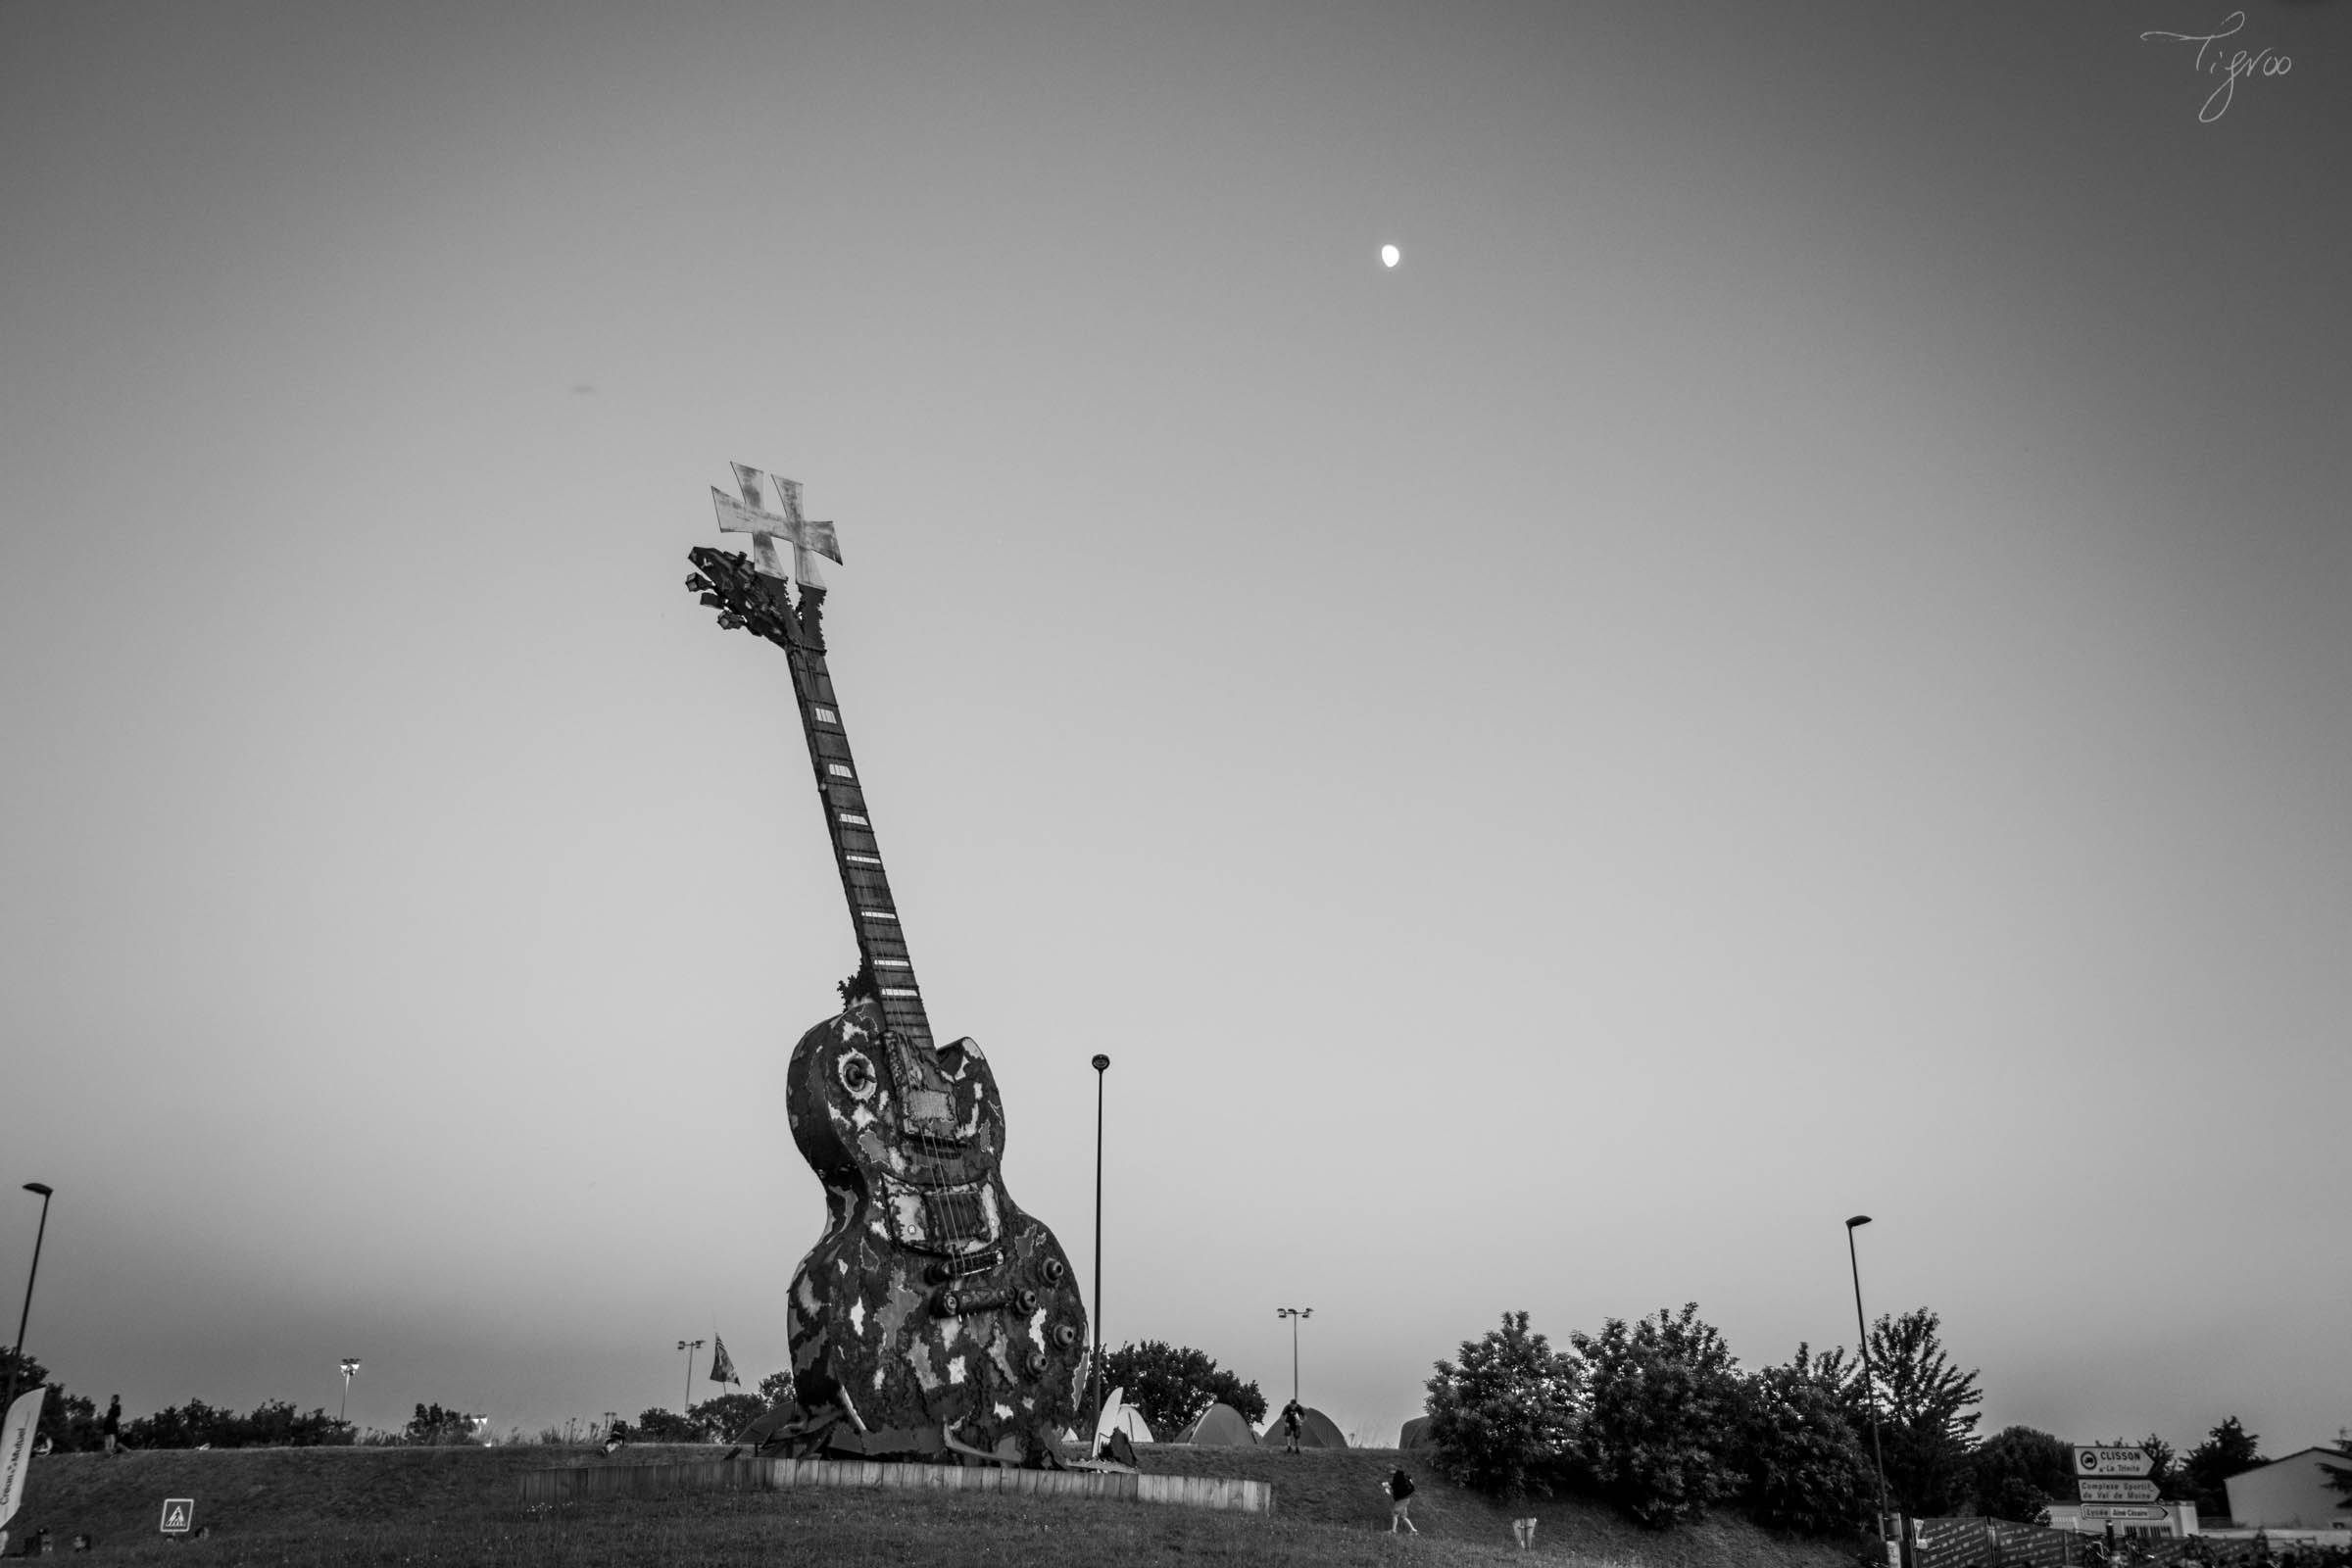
x,y
881,943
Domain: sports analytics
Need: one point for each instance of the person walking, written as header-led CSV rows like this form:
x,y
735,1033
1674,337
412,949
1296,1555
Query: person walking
x,y
1290,1427
1400,1489
112,1426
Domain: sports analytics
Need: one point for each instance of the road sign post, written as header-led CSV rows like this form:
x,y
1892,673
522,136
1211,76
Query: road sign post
x,y
2097,1461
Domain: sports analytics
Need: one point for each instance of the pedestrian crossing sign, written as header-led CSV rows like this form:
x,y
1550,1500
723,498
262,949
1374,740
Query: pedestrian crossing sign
x,y
178,1514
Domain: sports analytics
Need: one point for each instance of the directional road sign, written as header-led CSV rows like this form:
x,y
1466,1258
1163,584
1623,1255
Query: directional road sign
x,y
178,1514
2096,1489
2126,1513
2113,1462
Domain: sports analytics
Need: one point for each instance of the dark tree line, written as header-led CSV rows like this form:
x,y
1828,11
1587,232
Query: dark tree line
x,y
1659,1417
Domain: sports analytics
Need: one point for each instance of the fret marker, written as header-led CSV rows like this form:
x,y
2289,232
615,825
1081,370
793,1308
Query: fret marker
x,y
889,991
839,771
825,715
854,820
854,857
877,914
892,964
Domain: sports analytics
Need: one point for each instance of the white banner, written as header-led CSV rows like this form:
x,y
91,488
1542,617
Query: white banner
x,y
15,1448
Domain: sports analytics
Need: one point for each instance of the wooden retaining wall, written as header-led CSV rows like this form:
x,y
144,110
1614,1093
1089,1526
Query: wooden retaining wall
x,y
583,1482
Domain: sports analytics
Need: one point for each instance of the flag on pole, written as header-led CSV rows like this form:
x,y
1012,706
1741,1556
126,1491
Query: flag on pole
x,y
722,1366
16,1447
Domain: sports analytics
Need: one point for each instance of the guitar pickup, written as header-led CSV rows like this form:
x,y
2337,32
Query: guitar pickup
x,y
952,1303
956,1268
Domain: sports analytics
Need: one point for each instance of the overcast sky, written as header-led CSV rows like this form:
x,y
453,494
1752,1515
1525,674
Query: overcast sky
x,y
1794,658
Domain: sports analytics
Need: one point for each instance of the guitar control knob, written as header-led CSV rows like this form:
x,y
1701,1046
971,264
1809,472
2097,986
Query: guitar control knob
x,y
1064,1335
1027,1301
1036,1363
1052,1269
950,1304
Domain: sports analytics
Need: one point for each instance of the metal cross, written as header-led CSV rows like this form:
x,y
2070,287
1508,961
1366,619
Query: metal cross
x,y
809,538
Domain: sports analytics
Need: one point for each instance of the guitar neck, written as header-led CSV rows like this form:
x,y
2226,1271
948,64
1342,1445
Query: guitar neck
x,y
881,943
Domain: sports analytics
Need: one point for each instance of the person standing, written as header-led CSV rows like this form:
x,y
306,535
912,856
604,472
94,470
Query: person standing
x,y
1401,1496
1290,1427
112,1426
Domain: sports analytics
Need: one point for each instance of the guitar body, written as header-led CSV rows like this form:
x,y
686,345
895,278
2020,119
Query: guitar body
x,y
932,1306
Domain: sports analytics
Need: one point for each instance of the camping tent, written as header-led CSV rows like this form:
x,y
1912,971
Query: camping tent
x,y
1315,1431
1120,1416
1415,1434
1220,1427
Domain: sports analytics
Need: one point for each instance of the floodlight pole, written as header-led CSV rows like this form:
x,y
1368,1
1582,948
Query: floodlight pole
x,y
16,1358
689,1347
1101,1066
1869,1389
1293,1313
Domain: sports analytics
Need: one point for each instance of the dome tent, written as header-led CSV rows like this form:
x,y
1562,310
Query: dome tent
x,y
1315,1431
1220,1426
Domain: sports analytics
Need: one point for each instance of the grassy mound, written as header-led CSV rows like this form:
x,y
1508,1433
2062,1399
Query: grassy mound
x,y
447,1507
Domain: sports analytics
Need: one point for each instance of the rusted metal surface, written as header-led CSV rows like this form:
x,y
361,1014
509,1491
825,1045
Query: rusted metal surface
x,y
933,1320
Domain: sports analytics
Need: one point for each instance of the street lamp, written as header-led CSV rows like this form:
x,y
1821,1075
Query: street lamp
x,y
1101,1066
1293,1313
351,1364
16,1359
1878,1452
689,1347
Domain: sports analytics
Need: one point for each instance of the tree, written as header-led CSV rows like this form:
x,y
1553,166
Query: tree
x,y
1662,1405
1927,1406
720,1418
434,1427
2228,1449
1803,1467
776,1389
2020,1471
1502,1420
659,1425
1173,1384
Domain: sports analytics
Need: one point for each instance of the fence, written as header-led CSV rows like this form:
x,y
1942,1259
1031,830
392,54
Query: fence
x,y
1993,1544
583,1482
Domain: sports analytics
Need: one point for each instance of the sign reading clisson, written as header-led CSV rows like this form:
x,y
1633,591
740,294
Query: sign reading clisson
x,y
2113,1462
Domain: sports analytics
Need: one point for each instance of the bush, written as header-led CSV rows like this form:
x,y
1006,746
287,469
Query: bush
x,y
1502,1419
1663,1402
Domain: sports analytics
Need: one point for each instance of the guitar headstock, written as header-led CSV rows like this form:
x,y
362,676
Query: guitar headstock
x,y
748,599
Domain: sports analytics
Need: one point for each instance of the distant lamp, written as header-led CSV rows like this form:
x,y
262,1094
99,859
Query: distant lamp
x,y
1293,1313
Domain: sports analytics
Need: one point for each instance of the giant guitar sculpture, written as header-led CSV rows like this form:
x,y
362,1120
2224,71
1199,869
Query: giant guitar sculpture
x,y
933,1320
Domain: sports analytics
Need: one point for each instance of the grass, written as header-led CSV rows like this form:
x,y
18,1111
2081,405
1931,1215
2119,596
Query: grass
x,y
458,1508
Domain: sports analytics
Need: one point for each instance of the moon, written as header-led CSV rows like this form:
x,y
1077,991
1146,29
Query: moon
x,y
1390,256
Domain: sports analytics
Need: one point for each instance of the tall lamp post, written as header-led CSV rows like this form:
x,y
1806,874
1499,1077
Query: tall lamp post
x,y
1878,1452
689,1347
16,1359
1293,1313
351,1364
1101,1066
